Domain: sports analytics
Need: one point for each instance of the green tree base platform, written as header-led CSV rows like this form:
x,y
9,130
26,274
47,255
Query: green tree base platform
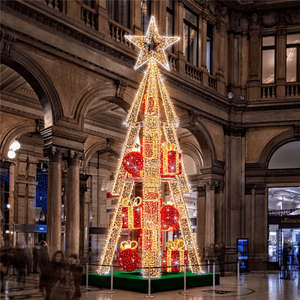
x,y
134,282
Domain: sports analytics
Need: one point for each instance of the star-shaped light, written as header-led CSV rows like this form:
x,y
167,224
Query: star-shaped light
x,y
152,46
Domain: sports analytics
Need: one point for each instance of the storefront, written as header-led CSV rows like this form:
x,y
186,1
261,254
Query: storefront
x,y
283,225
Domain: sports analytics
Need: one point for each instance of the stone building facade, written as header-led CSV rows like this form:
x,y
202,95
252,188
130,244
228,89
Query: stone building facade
x,y
67,82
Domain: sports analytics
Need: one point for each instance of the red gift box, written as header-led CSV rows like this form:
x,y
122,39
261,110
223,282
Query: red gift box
x,y
170,160
175,257
131,213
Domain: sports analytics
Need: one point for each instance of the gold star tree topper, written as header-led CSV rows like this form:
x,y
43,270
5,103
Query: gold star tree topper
x,y
152,46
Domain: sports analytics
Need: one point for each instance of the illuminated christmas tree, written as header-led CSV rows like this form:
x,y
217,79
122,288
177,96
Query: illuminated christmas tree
x,y
153,160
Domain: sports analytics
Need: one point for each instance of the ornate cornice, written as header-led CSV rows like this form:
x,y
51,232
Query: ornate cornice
x,y
6,42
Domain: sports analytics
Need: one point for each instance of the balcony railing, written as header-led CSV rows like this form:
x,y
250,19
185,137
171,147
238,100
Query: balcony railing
x,y
193,72
292,89
89,16
268,91
212,82
56,4
172,61
118,32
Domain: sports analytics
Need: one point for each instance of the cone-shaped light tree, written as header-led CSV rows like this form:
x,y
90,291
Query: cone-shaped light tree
x,y
157,159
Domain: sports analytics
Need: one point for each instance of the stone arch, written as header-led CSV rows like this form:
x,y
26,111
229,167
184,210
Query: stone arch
x,y
193,151
105,91
273,145
93,149
12,133
202,135
33,73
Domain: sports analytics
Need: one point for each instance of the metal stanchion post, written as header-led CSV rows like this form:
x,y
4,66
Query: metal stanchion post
x,y
87,277
214,275
184,282
149,286
238,273
111,280
208,267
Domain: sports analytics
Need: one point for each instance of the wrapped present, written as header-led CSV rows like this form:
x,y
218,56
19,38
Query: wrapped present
x,y
128,259
131,213
175,255
150,107
170,160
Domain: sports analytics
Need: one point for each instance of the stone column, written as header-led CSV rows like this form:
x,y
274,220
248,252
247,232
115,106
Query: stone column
x,y
221,57
102,17
84,216
54,203
73,202
255,65
201,220
281,62
244,63
204,37
135,17
219,213
209,216
204,78
178,31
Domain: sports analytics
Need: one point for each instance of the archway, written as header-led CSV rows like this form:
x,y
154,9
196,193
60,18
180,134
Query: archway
x,y
37,78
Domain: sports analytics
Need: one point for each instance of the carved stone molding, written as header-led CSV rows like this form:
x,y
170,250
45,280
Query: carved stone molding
x,y
74,158
7,41
121,88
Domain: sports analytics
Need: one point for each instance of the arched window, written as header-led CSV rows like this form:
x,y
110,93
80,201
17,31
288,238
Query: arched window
x,y
286,157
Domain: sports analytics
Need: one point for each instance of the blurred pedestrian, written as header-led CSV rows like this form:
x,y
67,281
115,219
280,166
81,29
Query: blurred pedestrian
x,y
73,277
35,255
20,263
44,261
3,267
285,253
54,279
221,258
298,255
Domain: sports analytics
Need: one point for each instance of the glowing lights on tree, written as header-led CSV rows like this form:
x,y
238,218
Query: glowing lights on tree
x,y
157,160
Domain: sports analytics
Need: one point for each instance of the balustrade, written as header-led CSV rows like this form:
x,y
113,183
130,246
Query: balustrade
x,y
89,17
268,91
211,82
56,4
172,61
292,90
193,72
118,32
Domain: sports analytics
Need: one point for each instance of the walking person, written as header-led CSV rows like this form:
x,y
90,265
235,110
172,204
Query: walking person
x,y
3,268
298,256
221,258
20,264
54,279
285,253
43,261
35,255
74,274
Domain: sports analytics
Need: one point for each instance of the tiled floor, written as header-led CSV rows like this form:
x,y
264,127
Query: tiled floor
x,y
254,285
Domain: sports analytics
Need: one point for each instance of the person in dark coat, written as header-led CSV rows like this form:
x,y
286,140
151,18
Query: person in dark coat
x,y
35,254
54,279
4,261
74,274
285,253
44,261
298,255
221,258
20,263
